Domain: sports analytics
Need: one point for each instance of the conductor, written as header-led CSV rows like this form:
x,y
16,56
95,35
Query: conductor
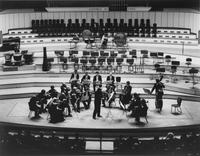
x,y
97,102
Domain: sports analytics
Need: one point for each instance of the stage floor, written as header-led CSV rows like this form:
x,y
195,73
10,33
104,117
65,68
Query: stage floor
x,y
16,111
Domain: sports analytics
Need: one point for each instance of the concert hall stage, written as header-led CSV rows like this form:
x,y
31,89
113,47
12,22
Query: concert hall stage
x,y
16,111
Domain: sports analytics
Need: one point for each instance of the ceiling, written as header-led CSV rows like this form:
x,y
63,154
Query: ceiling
x,y
41,4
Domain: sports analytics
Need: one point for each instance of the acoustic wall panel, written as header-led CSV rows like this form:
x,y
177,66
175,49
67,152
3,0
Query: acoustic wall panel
x,y
56,15
83,15
38,15
11,20
152,17
164,19
21,20
187,20
45,15
128,15
170,19
89,16
140,15
158,19
16,21
181,20
105,16
176,19
191,21
27,21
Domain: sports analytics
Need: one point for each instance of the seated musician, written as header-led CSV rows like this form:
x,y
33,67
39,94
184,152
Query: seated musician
x,y
56,113
73,96
135,107
126,96
85,80
65,103
64,89
52,92
34,107
74,78
111,95
97,80
110,79
86,97
42,99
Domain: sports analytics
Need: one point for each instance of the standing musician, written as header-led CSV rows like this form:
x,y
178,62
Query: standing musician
x,y
97,80
158,87
85,80
73,96
126,96
74,78
97,102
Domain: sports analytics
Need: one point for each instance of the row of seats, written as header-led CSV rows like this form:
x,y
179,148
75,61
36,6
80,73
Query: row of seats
x,y
186,144
18,59
59,28
44,143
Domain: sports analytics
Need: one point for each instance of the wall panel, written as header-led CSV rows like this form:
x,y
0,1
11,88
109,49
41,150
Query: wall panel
x,y
172,19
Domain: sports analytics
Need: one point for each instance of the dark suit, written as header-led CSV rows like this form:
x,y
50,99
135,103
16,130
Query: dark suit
x,y
110,78
95,79
97,103
74,76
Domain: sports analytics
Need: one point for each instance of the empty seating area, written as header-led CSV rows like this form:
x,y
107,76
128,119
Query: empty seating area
x,y
138,28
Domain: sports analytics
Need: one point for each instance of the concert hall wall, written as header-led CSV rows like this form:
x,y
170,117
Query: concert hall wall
x,y
163,19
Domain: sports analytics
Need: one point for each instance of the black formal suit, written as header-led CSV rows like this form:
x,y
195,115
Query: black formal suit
x,y
95,79
97,103
74,76
110,78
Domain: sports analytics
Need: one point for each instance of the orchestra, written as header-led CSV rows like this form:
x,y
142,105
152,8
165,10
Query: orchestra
x,y
60,105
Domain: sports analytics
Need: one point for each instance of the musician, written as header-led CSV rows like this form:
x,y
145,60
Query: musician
x,y
64,102
56,113
52,92
135,107
97,102
85,80
42,99
73,98
74,78
110,79
64,89
86,97
97,80
126,96
158,87
111,95
34,107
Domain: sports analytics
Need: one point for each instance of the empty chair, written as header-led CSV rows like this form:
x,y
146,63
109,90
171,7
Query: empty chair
x,y
119,64
92,61
188,61
130,64
84,62
168,59
28,58
8,59
133,53
17,59
177,107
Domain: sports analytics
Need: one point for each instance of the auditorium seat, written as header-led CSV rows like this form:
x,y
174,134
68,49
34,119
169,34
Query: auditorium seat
x,y
119,65
188,61
17,59
84,62
28,58
130,62
8,59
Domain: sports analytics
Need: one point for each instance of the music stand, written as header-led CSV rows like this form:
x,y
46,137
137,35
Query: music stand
x,y
147,91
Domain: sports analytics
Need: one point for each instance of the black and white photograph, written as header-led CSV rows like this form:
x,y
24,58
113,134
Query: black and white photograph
x,y
99,77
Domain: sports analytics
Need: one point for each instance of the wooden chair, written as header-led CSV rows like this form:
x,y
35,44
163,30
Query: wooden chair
x,y
177,107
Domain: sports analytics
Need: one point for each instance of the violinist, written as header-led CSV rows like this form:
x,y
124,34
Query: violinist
x,y
126,96
73,98
65,102
86,97
86,80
